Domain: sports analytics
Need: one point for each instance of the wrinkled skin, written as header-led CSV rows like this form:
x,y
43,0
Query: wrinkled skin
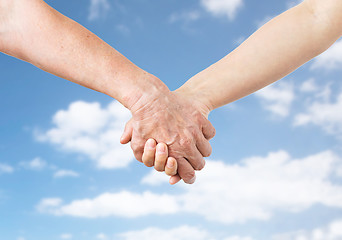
x,y
179,122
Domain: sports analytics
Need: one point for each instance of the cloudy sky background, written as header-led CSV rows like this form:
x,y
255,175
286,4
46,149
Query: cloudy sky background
x,y
276,168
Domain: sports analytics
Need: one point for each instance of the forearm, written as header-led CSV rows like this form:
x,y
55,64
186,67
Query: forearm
x,y
36,33
275,50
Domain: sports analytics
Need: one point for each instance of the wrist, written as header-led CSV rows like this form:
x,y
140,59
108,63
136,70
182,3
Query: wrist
x,y
144,91
198,97
130,85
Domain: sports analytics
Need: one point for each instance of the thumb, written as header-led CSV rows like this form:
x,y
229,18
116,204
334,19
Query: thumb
x,y
208,130
127,134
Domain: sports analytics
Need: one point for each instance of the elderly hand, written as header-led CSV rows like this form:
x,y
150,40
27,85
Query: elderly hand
x,y
168,117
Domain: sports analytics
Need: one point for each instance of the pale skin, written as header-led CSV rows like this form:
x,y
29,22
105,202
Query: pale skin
x,y
33,31
272,52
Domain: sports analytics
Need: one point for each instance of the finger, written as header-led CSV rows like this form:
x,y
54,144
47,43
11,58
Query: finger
x,y
174,179
195,158
203,146
127,134
208,129
171,167
138,148
149,152
186,171
138,155
161,157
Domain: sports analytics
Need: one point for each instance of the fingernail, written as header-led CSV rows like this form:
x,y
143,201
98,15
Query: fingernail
x,y
170,163
161,148
172,181
151,144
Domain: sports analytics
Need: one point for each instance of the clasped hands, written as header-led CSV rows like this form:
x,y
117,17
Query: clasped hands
x,y
170,131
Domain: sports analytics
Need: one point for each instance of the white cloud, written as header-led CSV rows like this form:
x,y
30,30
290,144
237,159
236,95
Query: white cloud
x,y
238,238
259,186
339,171
101,236
227,8
4,168
66,236
183,232
179,233
330,59
324,114
21,238
331,232
155,178
47,204
122,204
254,189
65,173
36,164
277,98
309,86
93,131
97,9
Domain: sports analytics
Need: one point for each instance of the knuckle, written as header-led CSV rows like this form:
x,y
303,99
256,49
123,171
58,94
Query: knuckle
x,y
198,116
185,142
193,131
174,151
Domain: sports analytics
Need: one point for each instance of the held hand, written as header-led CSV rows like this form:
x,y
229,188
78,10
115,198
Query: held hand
x,y
157,155
172,119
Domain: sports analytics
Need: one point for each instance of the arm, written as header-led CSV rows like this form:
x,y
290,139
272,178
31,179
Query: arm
x,y
275,50
34,32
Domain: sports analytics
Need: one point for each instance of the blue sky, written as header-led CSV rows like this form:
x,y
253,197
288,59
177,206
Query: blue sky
x,y
276,168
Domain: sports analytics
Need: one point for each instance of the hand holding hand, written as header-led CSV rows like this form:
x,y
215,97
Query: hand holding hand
x,y
172,119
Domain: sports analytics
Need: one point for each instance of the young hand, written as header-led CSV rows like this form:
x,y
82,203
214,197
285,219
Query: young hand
x,y
157,155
